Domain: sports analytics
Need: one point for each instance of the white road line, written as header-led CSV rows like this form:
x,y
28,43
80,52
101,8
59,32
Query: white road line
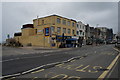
x,y
19,58
10,75
23,58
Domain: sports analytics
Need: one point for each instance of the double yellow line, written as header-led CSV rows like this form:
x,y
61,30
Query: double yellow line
x,y
103,75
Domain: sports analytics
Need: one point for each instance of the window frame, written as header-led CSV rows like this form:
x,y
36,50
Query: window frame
x,y
64,22
69,31
68,23
65,30
58,20
59,31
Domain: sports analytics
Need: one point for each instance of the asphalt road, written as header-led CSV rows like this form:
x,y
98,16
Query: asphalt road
x,y
96,61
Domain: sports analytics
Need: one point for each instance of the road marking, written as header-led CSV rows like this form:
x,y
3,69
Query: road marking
x,y
38,71
11,78
34,78
10,75
72,61
95,68
73,77
50,73
19,58
60,75
111,70
103,75
81,57
83,69
116,49
24,58
59,64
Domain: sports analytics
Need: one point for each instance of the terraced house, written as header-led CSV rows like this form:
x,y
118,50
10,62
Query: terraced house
x,y
47,31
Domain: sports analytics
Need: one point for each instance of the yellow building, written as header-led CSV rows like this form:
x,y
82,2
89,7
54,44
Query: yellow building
x,y
45,31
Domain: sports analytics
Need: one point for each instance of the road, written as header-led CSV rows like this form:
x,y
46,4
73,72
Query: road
x,y
93,62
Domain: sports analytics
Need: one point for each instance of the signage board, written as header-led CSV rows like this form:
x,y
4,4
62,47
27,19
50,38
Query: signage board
x,y
47,31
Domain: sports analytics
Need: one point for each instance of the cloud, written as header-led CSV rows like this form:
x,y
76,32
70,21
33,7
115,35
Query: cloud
x,y
15,14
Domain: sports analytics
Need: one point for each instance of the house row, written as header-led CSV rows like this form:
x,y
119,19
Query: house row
x,y
51,30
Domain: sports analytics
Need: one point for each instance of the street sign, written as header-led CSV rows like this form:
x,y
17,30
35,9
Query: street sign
x,y
47,31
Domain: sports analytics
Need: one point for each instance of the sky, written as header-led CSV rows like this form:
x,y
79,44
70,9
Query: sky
x,y
16,14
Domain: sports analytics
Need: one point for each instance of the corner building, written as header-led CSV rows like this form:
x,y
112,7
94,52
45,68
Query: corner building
x,y
47,31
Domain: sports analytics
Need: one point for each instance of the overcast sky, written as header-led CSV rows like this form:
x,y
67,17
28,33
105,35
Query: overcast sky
x,y
15,14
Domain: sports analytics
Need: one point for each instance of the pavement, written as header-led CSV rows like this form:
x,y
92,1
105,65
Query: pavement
x,y
79,63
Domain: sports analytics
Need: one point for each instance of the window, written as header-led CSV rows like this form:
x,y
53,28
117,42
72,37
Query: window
x,y
64,22
77,32
73,32
83,33
58,20
80,26
36,31
68,31
42,22
80,32
58,29
77,25
83,27
68,23
64,30
52,29
73,24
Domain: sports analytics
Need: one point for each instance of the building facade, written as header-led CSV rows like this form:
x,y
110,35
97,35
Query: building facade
x,y
80,29
87,31
45,30
105,33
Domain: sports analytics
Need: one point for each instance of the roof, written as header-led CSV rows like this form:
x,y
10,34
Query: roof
x,y
27,26
57,16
